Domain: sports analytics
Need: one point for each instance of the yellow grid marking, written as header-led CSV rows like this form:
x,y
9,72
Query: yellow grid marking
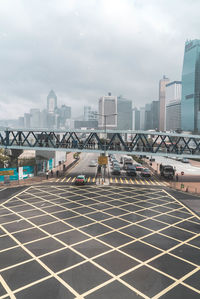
x,y
63,180
93,180
126,180
141,181
116,180
88,179
73,179
121,181
57,180
131,181
68,179
111,180
162,253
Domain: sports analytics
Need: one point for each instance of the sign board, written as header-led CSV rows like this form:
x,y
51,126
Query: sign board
x,y
182,172
102,160
20,173
7,172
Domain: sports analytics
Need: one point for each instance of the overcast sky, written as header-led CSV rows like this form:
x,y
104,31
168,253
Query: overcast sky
x,y
83,49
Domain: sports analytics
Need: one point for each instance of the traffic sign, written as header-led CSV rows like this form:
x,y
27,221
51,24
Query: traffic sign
x,y
102,160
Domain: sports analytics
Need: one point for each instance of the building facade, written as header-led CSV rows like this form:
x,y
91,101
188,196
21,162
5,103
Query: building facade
x,y
162,105
108,112
35,118
124,113
173,106
190,100
135,119
51,102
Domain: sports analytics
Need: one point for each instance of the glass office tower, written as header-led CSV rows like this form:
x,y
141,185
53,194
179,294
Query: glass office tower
x,y
190,101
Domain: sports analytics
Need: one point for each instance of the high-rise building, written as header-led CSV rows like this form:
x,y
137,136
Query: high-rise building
x,y
148,117
51,102
135,119
173,105
21,122
190,100
27,120
35,118
162,87
65,113
89,113
124,113
142,118
43,118
108,112
155,114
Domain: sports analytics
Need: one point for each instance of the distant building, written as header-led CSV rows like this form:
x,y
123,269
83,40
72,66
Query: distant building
x,y
155,114
148,122
190,100
173,116
27,120
142,118
35,118
124,113
21,122
173,105
51,102
43,119
89,124
108,112
162,87
65,113
135,119
89,113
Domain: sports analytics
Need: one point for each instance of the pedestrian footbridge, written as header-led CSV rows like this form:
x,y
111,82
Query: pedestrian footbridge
x,y
110,141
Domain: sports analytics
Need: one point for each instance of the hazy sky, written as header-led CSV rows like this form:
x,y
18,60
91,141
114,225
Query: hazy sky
x,y
85,48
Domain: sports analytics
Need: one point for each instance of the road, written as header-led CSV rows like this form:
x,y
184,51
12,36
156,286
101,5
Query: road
x,y
187,168
83,168
91,242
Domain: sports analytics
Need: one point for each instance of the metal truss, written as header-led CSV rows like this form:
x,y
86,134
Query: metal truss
x,y
139,142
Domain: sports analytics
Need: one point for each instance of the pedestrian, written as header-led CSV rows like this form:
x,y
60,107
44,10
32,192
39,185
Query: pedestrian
x,y
57,173
177,177
51,173
47,174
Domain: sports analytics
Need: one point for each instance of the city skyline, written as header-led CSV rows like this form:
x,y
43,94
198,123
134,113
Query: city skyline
x,y
82,51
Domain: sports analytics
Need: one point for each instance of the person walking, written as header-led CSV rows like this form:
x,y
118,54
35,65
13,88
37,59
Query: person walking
x,y
177,177
47,174
51,173
57,173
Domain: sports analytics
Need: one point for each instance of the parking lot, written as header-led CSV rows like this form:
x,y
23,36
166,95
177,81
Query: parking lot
x,y
62,241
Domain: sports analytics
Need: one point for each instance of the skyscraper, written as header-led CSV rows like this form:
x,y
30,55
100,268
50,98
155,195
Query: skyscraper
x,y
190,100
173,105
51,102
162,87
108,112
124,113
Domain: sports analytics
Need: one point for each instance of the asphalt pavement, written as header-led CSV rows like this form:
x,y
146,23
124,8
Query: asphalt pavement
x,y
65,241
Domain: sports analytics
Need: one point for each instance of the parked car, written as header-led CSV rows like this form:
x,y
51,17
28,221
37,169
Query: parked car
x,y
116,170
185,160
80,180
131,170
145,173
93,163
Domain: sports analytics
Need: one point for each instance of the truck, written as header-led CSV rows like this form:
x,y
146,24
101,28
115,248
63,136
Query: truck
x,y
126,161
167,171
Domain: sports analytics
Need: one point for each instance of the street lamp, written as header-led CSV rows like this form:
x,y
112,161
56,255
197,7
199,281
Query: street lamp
x,y
105,116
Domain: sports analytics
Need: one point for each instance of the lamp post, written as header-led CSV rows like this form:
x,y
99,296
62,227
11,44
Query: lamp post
x,y
105,116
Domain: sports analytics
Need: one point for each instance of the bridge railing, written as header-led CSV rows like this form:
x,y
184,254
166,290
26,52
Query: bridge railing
x,y
139,142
